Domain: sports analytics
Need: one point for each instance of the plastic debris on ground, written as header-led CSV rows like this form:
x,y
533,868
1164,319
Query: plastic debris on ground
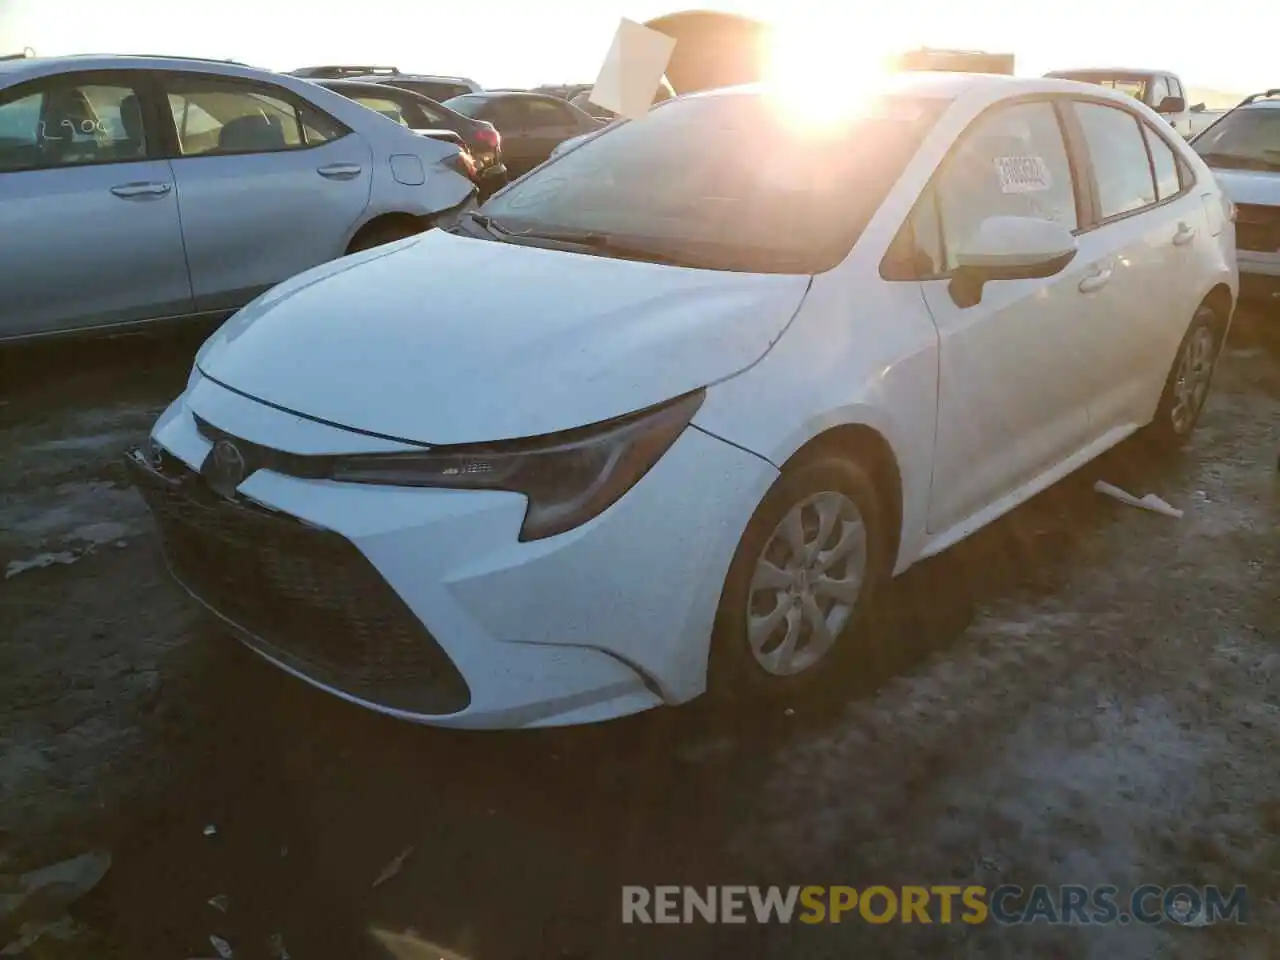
x,y
1149,502
393,867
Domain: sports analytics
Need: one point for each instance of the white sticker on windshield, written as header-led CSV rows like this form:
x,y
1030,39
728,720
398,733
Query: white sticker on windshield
x,y
1022,174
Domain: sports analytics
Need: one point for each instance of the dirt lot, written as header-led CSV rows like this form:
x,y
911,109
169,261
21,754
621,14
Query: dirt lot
x,y
1086,693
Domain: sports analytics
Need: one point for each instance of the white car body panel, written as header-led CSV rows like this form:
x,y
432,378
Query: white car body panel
x,y
451,553
458,362
446,339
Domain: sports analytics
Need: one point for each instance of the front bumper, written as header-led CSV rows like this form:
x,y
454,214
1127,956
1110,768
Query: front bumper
x,y
1259,275
424,605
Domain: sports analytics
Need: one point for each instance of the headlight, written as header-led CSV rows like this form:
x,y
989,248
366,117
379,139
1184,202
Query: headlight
x,y
568,477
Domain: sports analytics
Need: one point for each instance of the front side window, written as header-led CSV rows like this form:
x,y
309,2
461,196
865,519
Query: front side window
x,y
65,123
1245,139
213,115
1159,90
1121,168
1011,162
725,181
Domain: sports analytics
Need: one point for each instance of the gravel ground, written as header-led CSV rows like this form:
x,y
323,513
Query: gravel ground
x,y
1084,693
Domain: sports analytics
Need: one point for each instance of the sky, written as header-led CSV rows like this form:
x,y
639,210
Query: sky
x,y
524,43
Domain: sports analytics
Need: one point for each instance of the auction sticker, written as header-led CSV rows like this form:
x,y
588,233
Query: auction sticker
x,y
1022,174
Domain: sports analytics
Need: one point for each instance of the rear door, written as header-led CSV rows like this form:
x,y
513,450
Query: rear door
x,y
268,185
1145,227
89,229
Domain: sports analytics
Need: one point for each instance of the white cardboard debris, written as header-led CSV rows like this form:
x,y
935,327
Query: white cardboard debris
x,y
39,562
1149,502
632,70
393,867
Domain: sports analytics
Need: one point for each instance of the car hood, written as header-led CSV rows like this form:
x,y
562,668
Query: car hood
x,y
1250,186
443,339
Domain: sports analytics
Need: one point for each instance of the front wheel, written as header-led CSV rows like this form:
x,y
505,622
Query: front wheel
x,y
795,602
1187,388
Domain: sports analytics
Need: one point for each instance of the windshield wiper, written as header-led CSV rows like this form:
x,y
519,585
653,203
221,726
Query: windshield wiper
x,y
487,224
607,245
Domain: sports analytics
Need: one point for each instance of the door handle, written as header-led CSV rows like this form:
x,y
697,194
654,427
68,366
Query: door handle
x,y
1184,235
340,171
129,191
1095,281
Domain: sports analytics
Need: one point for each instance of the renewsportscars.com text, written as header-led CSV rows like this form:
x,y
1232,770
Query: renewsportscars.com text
x,y
944,904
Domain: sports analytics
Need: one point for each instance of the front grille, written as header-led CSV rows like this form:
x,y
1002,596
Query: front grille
x,y
305,596
1257,228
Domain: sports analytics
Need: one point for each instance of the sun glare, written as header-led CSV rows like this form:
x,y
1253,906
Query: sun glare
x,y
817,77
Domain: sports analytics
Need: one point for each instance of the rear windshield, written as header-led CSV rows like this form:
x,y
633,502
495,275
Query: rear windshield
x,y
1135,87
726,182
467,106
1245,139
437,90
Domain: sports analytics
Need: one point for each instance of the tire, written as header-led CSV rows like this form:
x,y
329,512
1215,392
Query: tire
x,y
1187,387
778,606
378,234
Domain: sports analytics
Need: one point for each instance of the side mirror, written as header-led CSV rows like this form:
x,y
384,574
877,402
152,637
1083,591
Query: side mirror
x,y
1009,248
1171,105
1198,108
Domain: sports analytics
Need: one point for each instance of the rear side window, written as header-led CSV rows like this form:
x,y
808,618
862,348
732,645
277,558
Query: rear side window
x,y
213,115
1115,143
1165,164
67,123
1011,162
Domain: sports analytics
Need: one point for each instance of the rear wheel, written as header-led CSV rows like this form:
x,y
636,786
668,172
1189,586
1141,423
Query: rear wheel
x,y
1187,388
795,602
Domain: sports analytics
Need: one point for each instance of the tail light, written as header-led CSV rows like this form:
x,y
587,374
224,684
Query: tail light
x,y
462,162
489,136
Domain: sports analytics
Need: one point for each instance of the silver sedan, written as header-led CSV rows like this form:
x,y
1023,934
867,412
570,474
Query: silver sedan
x,y
138,189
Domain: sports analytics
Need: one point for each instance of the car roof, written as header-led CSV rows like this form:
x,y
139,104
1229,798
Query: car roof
x,y
43,66
508,94
1110,72
936,83
431,77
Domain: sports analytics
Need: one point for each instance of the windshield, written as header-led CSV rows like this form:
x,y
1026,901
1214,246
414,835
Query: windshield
x,y
724,182
1247,139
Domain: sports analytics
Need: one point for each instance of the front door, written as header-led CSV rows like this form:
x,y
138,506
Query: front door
x,y
268,186
89,228
1011,404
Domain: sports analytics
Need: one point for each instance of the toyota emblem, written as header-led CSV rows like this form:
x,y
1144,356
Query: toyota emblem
x,y
224,470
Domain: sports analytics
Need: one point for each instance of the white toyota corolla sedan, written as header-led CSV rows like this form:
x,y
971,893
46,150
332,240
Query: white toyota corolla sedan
x,y
665,414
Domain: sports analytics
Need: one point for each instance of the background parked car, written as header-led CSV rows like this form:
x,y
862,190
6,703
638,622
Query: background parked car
x,y
531,124
1160,90
139,188
439,89
1243,150
480,138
